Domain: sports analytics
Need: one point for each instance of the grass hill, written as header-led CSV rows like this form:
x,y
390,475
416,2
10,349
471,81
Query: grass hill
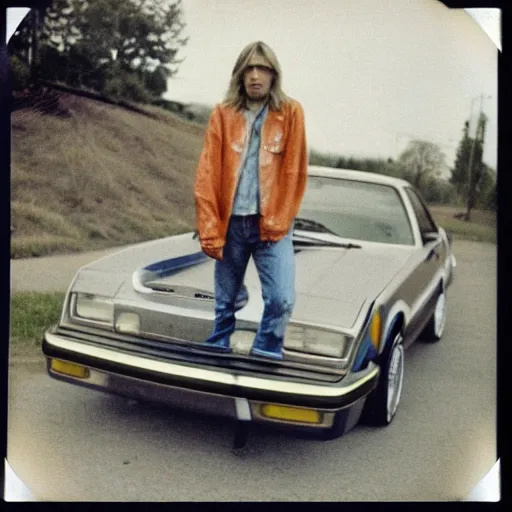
x,y
89,175
99,176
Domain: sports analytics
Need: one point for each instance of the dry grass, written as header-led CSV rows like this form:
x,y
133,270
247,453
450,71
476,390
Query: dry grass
x,y
106,176
103,177
481,228
43,244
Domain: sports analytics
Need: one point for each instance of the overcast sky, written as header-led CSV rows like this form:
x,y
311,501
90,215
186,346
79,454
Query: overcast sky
x,y
371,75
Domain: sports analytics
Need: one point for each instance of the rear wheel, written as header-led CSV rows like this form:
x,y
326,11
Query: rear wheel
x,y
382,403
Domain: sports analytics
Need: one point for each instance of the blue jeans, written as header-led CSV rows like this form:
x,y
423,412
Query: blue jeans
x,y
275,262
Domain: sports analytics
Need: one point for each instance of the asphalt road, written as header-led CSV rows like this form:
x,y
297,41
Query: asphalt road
x,y
67,443
50,273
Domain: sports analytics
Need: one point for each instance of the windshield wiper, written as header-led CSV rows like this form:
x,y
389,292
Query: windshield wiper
x,y
312,225
317,227
313,242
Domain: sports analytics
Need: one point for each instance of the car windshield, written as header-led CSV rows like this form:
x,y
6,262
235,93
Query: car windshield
x,y
354,209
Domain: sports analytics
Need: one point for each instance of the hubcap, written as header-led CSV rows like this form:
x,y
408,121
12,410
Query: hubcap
x,y
395,379
440,315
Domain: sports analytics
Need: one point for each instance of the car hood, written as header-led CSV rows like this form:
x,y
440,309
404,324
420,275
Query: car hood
x,y
332,284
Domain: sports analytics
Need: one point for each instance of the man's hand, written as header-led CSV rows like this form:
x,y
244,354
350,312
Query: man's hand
x,y
213,252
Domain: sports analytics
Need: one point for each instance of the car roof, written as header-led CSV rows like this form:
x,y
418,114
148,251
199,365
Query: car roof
x,y
370,177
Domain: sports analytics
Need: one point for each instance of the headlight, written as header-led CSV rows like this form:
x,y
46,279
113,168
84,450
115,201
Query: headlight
x,y
93,308
315,341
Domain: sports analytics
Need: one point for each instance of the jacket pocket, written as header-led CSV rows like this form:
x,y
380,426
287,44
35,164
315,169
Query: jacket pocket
x,y
274,147
275,141
272,151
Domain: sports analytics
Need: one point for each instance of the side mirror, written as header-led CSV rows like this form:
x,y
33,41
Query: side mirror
x,y
429,237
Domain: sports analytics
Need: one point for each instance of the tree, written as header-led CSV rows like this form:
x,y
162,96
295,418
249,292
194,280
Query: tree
x,y
459,173
62,24
322,159
156,81
492,199
96,42
485,186
437,191
24,48
420,161
20,73
476,166
470,175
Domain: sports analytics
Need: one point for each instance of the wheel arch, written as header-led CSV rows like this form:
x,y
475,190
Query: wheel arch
x,y
443,284
396,321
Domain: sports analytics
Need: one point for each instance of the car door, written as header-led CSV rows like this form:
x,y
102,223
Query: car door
x,y
425,278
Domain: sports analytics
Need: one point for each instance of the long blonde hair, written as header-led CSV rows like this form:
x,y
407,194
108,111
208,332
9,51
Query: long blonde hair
x,y
235,96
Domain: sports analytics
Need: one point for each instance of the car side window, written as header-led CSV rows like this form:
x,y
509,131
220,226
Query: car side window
x,y
424,219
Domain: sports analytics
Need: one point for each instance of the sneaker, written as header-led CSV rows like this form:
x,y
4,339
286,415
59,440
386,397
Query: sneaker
x,y
278,356
218,346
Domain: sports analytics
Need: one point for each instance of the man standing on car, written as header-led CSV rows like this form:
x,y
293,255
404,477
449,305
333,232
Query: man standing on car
x,y
249,184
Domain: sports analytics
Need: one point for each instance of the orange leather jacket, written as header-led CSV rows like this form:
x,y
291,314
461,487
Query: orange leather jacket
x,y
283,165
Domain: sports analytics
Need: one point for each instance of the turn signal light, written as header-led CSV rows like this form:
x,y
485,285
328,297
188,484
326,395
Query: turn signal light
x,y
375,329
71,369
281,412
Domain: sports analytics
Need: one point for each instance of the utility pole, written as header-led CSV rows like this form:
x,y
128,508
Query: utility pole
x,y
478,136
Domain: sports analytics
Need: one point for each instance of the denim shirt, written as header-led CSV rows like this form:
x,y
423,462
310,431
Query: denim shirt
x,y
247,195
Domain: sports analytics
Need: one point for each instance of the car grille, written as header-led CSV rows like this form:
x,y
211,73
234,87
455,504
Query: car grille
x,y
200,358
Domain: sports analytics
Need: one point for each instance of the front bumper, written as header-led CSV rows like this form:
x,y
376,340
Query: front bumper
x,y
205,390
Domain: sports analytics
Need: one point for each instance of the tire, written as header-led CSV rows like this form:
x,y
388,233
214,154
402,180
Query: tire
x,y
434,329
382,403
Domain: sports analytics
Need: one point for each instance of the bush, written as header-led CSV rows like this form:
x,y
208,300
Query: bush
x,y
156,81
127,87
438,192
492,199
20,74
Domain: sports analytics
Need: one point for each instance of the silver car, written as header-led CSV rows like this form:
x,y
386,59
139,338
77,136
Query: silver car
x,y
372,274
